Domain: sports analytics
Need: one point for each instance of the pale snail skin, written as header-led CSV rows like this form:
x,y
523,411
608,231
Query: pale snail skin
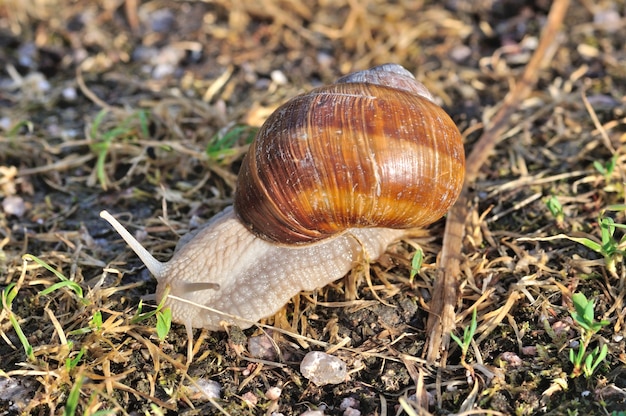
x,y
230,269
255,277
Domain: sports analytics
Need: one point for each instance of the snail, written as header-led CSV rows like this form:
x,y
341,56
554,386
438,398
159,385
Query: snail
x,y
332,178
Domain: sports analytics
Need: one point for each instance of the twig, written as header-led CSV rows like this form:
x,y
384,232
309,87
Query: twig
x,y
441,317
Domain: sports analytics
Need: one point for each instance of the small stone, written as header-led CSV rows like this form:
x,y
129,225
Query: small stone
x,y
14,205
561,327
511,359
69,93
250,399
608,20
325,60
460,53
313,413
5,123
27,55
273,393
261,346
349,402
16,394
204,389
279,77
162,20
321,368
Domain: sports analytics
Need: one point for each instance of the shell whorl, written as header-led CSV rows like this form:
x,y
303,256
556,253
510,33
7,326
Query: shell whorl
x,y
351,154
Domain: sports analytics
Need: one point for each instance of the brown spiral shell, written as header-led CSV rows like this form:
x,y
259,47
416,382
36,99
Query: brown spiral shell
x,y
351,154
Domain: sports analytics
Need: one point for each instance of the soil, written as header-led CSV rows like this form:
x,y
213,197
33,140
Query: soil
x,y
146,109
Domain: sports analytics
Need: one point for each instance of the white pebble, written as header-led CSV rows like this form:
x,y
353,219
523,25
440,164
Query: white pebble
x,y
14,205
460,53
278,77
250,399
5,123
313,413
204,389
321,368
69,93
273,393
608,20
163,70
511,358
325,61
261,346
16,394
349,402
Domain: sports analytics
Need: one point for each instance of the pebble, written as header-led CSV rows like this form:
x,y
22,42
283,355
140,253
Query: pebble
x,y
279,77
204,389
27,55
69,93
15,394
313,413
162,20
608,20
349,402
460,53
325,60
511,359
273,393
14,205
321,368
261,346
5,123
250,399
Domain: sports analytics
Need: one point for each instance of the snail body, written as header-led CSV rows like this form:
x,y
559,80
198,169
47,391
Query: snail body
x,y
333,177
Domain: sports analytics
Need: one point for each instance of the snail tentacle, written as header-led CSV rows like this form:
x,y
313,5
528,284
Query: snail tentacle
x,y
157,268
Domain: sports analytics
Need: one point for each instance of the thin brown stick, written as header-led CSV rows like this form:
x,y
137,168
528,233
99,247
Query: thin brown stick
x,y
441,317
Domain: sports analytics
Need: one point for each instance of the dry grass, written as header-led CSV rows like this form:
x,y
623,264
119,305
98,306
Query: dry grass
x,y
113,104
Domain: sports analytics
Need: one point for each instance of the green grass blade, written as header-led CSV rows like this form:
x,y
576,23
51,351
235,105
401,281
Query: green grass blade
x,y
28,349
45,265
416,263
73,286
72,400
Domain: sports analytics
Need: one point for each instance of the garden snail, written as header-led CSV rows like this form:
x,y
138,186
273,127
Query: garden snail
x,y
332,178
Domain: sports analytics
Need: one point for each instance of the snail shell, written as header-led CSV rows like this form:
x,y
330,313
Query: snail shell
x,y
351,154
331,179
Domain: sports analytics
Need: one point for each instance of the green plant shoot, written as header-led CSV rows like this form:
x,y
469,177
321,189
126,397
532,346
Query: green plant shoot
x,y
586,362
416,263
468,335
8,295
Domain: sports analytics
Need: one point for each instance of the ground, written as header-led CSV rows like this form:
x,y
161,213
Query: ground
x,y
147,108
